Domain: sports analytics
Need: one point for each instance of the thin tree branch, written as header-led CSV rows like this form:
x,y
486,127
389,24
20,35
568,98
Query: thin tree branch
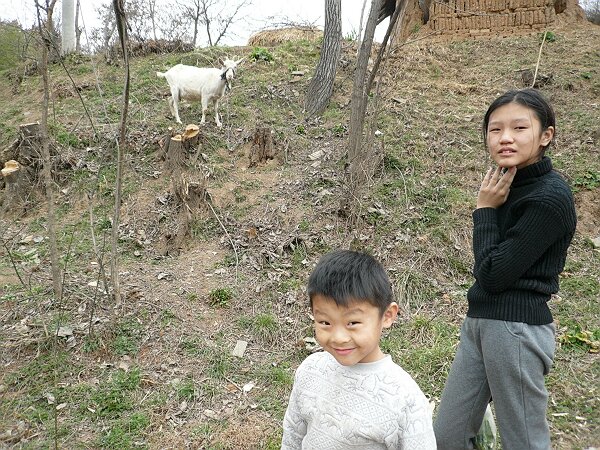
x,y
537,66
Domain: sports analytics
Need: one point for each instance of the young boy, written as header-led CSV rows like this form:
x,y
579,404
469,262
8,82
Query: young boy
x,y
352,395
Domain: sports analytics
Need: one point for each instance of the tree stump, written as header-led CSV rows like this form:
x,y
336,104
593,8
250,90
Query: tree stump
x,y
164,143
262,147
30,145
179,146
175,158
21,166
189,189
191,137
16,186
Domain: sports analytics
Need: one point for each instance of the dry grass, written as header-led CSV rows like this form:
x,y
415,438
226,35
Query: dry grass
x,y
271,38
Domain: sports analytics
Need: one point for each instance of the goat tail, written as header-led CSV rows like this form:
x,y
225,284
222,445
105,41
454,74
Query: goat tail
x,y
160,74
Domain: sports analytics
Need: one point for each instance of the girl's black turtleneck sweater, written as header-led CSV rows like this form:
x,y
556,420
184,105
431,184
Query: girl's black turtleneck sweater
x,y
520,248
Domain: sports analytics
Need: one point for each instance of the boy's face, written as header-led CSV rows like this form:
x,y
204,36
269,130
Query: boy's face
x,y
351,334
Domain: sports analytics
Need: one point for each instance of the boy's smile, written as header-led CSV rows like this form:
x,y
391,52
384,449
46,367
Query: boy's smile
x,y
351,333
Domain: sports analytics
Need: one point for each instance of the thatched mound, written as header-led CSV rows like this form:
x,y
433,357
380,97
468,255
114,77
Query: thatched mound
x,y
270,38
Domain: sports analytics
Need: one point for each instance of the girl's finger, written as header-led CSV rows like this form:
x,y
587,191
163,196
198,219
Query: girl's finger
x,y
488,175
508,176
496,173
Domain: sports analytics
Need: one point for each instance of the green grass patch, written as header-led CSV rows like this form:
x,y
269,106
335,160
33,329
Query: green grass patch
x,y
264,326
115,396
261,54
586,181
124,432
423,346
185,389
580,287
575,337
126,337
220,298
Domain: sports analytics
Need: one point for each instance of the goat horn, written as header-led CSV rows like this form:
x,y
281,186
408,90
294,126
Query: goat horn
x,y
239,61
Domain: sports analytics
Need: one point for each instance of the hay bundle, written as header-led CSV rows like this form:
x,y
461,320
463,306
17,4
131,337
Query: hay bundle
x,y
270,38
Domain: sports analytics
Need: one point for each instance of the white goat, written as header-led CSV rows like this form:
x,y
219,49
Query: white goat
x,y
195,83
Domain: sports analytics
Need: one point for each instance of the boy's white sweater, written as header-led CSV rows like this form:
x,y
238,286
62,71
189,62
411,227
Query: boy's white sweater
x,y
366,406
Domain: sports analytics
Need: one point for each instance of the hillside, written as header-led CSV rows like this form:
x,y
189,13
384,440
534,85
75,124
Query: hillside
x,y
157,370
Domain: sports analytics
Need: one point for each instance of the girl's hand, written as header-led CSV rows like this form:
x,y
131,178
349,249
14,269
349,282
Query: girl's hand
x,y
495,188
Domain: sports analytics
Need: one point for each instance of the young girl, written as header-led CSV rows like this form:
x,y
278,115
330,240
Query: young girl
x,y
522,226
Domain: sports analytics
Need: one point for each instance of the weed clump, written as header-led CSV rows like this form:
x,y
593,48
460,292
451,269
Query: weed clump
x,y
220,297
261,54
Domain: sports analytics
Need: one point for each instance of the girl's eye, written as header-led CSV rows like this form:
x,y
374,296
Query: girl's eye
x,y
521,128
353,323
323,322
493,130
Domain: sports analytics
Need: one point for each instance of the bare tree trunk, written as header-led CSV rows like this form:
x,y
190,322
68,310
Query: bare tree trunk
x,y
68,27
122,28
210,44
196,19
360,25
77,29
226,21
206,20
216,17
152,13
359,93
46,33
321,86
398,15
362,160
194,12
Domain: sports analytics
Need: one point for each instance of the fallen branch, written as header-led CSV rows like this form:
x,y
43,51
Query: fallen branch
x,y
237,261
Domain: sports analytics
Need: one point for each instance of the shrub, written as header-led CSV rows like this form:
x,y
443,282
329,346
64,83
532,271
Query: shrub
x,y
261,54
10,41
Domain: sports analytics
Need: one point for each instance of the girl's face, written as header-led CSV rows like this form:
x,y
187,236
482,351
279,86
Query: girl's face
x,y
515,136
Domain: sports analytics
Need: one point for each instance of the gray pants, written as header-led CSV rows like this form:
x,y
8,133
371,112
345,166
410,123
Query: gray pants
x,y
505,361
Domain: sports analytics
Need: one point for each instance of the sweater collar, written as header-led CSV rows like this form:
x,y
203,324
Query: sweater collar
x,y
534,170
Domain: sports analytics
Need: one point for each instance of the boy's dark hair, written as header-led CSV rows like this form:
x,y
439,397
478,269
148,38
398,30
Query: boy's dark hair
x,y
347,276
530,98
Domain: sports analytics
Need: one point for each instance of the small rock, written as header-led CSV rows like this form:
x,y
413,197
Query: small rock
x,y
316,155
211,414
65,332
240,348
